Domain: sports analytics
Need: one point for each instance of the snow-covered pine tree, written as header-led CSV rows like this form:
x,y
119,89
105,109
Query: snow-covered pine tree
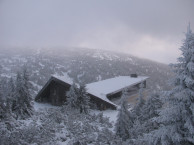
x,y
124,120
2,102
72,96
28,98
10,102
4,109
11,87
23,107
1,89
177,116
83,99
26,82
137,110
1,68
137,114
151,109
8,93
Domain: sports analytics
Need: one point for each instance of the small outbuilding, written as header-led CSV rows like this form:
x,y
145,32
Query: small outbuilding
x,y
54,91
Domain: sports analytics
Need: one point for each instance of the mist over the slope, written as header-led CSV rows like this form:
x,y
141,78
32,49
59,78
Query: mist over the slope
x,y
150,29
60,50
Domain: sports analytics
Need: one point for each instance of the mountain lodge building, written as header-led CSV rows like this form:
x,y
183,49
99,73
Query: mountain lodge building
x,y
101,93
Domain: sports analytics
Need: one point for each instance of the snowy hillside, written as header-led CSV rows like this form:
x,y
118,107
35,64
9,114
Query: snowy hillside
x,y
86,65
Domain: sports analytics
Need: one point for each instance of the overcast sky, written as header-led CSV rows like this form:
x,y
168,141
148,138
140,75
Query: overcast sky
x,y
152,29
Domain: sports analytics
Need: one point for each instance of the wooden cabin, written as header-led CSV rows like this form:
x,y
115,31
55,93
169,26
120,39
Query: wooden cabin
x,y
101,93
54,91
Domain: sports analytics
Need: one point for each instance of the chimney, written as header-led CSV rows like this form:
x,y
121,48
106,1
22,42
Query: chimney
x,y
134,75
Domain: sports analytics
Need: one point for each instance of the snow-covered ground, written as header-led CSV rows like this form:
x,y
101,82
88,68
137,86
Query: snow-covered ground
x,y
64,136
111,114
43,106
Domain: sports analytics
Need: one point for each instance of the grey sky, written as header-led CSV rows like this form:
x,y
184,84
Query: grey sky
x,y
151,29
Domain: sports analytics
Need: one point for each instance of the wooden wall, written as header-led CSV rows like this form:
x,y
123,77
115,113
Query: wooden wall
x,y
55,93
58,93
101,104
131,91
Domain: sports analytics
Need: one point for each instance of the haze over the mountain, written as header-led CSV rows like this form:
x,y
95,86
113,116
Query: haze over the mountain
x,y
149,29
85,65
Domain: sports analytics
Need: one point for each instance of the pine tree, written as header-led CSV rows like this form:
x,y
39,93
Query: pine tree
x,y
177,116
5,101
137,110
1,89
83,99
11,87
26,85
78,98
9,90
23,107
26,82
2,102
10,102
150,110
72,96
139,115
124,120
151,107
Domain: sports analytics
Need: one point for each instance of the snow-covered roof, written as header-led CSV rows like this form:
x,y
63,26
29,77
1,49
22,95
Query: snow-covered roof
x,y
64,78
102,88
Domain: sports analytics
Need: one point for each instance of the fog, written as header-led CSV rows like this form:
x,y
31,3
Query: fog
x,y
152,29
